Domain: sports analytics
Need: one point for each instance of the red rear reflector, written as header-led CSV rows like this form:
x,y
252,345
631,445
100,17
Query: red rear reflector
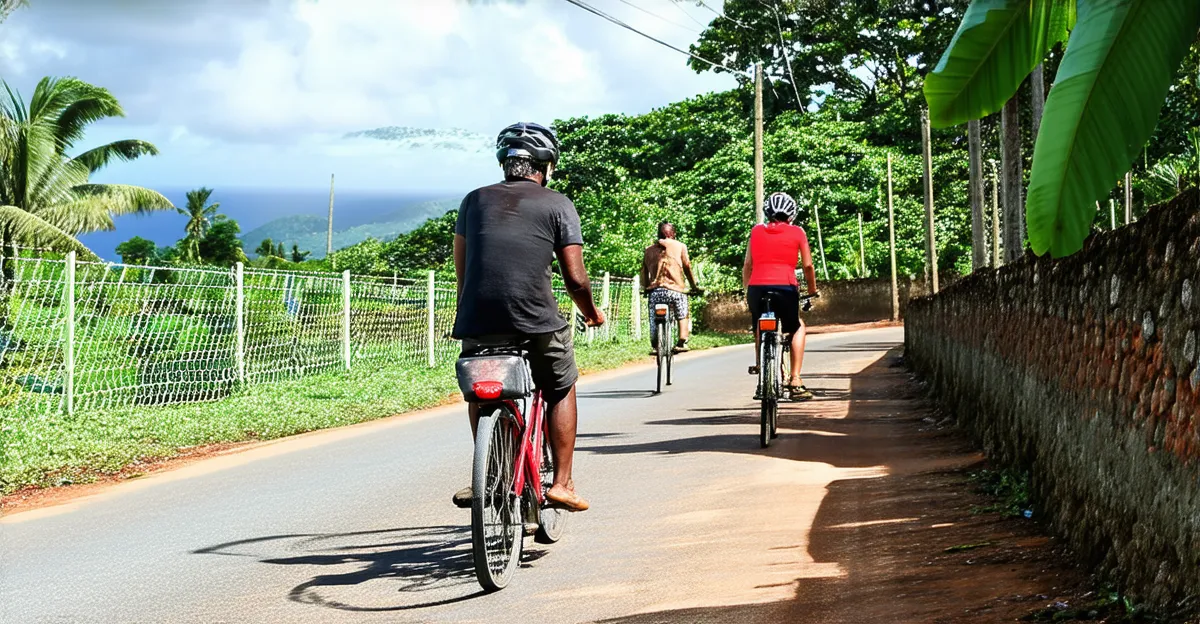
x,y
487,390
660,311
768,324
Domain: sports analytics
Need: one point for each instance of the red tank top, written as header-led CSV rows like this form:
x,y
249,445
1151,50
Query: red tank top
x,y
774,253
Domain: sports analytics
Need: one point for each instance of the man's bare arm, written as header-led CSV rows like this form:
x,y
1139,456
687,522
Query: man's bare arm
x,y
687,270
579,287
460,261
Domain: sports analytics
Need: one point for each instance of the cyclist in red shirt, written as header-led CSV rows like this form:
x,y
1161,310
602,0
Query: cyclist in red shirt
x,y
775,249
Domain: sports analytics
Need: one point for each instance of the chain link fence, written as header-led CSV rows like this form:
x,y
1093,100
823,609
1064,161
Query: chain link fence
x,y
78,335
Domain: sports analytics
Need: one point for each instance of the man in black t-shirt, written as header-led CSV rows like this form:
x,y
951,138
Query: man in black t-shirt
x,y
506,238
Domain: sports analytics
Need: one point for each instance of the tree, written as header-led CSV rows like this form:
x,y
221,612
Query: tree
x,y
279,252
137,250
1120,63
265,249
46,197
428,247
221,245
297,255
8,6
200,215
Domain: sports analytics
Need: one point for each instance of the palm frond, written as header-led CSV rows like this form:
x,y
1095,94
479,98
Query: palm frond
x,y
71,104
125,198
30,229
126,150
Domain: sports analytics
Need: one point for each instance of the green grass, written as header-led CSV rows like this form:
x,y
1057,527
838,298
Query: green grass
x,y
41,450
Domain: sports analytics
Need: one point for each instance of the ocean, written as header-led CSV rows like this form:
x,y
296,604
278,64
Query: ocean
x,y
255,207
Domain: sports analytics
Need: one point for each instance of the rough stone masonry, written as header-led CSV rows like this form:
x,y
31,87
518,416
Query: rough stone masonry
x,y
1084,371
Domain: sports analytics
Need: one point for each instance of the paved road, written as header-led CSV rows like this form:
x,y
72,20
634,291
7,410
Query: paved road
x,y
356,526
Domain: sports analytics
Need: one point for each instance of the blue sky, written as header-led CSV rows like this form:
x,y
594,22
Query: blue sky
x,y
259,93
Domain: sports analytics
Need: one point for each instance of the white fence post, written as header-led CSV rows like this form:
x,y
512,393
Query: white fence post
x,y
239,281
636,310
69,296
606,305
346,318
430,309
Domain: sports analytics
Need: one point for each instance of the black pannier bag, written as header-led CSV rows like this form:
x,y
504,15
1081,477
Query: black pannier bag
x,y
510,370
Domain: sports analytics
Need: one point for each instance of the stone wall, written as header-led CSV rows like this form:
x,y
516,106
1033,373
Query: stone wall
x,y
841,302
1083,371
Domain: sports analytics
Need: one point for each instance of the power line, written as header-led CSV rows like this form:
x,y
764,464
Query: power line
x,y
786,56
720,14
684,11
590,9
653,14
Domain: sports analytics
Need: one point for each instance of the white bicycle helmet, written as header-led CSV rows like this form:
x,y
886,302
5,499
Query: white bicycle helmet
x,y
780,204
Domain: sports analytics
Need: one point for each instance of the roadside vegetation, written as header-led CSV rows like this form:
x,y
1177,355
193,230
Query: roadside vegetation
x,y
44,450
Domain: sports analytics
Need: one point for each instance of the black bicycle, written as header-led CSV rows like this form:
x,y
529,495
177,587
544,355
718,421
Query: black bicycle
x,y
774,366
664,341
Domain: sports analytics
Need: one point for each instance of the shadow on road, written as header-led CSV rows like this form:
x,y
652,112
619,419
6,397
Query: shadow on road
x,y
888,535
413,562
618,394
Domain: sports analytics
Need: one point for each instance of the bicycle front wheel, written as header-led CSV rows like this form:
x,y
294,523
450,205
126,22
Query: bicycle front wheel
x,y
497,531
551,520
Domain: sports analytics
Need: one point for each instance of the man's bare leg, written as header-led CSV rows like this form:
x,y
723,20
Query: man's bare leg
x,y
564,420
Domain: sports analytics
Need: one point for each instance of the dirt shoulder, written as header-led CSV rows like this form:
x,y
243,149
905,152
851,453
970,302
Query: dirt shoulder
x,y
911,545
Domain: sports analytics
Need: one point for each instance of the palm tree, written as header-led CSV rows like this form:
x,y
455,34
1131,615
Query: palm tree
x,y
200,214
7,6
46,197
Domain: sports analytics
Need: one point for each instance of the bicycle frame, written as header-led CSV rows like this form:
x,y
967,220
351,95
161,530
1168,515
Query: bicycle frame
x,y
529,453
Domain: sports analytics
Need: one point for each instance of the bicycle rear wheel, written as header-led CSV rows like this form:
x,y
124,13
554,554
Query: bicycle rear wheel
x,y
768,385
661,355
497,531
784,377
551,521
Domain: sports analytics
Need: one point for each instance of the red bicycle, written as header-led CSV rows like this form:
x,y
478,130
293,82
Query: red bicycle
x,y
513,467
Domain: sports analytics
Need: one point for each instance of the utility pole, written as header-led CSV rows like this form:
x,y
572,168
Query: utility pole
x,y
329,235
758,142
1010,162
930,235
996,261
892,241
979,254
1128,197
1112,214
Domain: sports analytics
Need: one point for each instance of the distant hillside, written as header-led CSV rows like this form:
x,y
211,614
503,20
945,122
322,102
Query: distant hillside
x,y
309,231
451,139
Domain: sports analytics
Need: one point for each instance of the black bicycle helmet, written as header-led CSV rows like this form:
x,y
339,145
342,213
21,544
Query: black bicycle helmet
x,y
527,140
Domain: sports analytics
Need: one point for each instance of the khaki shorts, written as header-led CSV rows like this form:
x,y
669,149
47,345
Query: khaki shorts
x,y
551,355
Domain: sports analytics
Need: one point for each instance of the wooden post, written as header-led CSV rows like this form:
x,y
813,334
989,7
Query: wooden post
x,y
1112,214
329,234
1010,163
862,249
930,234
1037,98
69,299
996,260
635,313
979,255
892,242
820,240
759,192
605,302
1128,197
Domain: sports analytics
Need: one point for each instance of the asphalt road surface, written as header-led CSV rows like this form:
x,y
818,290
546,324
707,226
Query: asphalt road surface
x,y
356,525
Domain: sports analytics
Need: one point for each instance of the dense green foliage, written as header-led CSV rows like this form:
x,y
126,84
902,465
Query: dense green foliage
x,y
138,250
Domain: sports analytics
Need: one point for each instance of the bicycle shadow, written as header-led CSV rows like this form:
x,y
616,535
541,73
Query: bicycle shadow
x,y
433,561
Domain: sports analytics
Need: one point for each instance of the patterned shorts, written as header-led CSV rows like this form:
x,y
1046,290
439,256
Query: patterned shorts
x,y
677,300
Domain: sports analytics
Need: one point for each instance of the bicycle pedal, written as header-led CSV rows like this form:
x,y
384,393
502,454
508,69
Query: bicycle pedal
x,y
531,528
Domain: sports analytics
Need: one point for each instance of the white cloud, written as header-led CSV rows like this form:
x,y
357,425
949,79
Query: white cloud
x,y
263,80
